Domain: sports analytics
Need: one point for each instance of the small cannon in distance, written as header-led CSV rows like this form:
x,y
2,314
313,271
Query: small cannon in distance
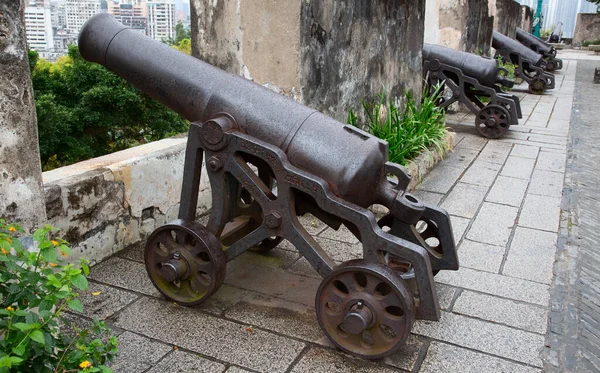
x,y
529,65
270,160
470,78
537,45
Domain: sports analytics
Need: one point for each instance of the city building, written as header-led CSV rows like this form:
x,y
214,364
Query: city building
x,y
79,11
161,20
38,26
555,11
130,13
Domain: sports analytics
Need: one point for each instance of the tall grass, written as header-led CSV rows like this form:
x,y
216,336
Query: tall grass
x,y
409,133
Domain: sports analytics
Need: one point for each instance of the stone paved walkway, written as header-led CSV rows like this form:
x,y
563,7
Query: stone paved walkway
x,y
504,197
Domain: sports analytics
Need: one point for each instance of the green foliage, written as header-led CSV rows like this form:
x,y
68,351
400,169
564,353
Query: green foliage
x,y
36,288
545,34
408,133
587,43
85,111
185,46
509,67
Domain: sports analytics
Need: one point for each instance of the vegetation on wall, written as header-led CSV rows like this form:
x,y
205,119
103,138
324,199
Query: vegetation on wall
x,y
587,43
410,132
85,111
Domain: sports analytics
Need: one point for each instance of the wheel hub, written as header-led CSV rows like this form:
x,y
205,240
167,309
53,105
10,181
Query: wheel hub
x,y
358,319
175,269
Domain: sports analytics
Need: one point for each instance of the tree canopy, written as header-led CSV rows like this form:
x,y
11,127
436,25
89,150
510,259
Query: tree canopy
x,y
85,111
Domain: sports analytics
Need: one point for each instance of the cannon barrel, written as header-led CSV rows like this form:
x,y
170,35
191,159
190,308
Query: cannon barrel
x,y
533,41
501,41
351,161
485,70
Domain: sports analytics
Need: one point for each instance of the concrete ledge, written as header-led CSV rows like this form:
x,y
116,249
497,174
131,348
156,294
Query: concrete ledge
x,y
558,46
106,204
594,48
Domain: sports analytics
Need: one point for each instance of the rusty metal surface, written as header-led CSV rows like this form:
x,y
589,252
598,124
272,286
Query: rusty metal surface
x,y
270,160
530,66
470,78
539,46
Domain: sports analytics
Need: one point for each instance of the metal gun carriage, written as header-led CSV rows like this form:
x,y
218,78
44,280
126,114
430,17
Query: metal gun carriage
x,y
539,46
529,65
470,79
270,160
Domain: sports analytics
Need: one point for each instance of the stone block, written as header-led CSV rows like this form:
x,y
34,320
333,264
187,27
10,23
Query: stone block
x,y
546,183
495,152
406,357
460,157
481,173
540,212
322,360
508,191
125,274
517,167
551,162
210,336
464,200
480,256
459,226
531,255
101,301
498,285
503,311
180,361
137,353
442,357
445,295
484,336
525,151
429,197
493,224
441,179
471,141
342,234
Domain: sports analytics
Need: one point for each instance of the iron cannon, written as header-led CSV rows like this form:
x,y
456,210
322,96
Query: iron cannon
x,y
269,161
537,45
529,65
471,79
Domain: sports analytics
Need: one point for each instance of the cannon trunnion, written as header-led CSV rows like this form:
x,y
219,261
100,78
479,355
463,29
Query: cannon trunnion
x,y
270,160
470,78
529,65
537,45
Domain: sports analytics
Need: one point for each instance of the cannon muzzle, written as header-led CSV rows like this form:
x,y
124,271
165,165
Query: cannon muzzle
x,y
534,43
511,46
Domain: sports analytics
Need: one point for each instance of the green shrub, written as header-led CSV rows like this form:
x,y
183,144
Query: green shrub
x,y
36,288
545,34
408,133
587,43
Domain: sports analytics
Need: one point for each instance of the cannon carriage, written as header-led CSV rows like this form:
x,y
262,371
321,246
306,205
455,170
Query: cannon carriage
x,y
270,160
529,65
537,45
470,79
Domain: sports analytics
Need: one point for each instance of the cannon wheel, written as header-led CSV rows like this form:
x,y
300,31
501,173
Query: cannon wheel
x,y
550,66
537,86
365,309
492,121
185,262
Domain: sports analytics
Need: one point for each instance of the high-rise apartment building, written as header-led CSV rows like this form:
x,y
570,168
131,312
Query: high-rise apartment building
x,y
79,11
132,14
38,26
161,20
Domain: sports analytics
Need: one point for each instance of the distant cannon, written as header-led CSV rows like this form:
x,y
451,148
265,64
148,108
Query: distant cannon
x,y
270,160
471,78
530,65
537,45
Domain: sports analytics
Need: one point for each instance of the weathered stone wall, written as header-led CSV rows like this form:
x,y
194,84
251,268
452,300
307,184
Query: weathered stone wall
x,y
526,18
432,21
587,28
465,25
327,55
109,203
21,195
507,17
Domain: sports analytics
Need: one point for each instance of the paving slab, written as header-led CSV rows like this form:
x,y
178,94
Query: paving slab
x,y
518,167
293,319
233,369
531,255
407,356
481,256
551,161
137,353
498,285
493,224
508,191
322,360
540,212
340,251
442,357
186,362
464,200
503,311
487,337
441,178
471,141
224,298
209,335
546,183
481,173
460,157
428,197
342,234
445,295
125,274
459,226
495,152
101,301
276,258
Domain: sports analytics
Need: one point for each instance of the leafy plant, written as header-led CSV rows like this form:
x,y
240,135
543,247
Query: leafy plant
x,y
408,132
545,34
36,288
587,43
